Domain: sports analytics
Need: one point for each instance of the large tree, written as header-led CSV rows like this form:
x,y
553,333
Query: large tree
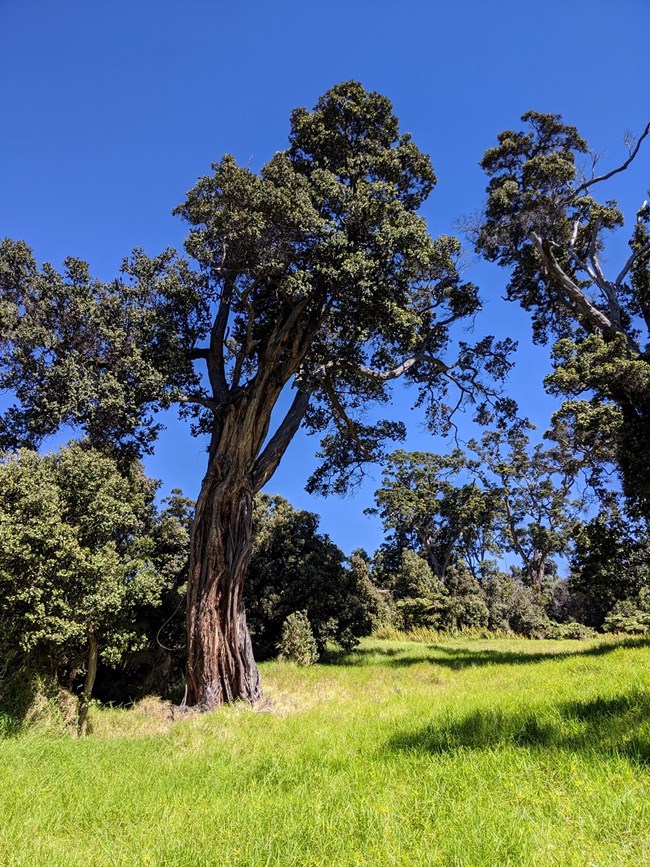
x,y
314,275
543,221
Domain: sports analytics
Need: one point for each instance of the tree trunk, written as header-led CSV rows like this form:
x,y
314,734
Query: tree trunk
x,y
537,571
91,674
220,663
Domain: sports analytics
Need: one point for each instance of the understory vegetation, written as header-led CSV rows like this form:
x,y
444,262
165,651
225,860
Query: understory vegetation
x,y
430,752
93,577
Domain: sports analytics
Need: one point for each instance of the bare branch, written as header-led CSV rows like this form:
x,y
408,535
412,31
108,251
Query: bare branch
x,y
340,415
620,168
200,401
577,296
592,253
216,363
401,369
199,352
638,254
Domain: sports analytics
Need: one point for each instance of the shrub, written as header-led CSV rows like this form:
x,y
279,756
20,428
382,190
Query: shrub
x,y
421,612
513,607
571,630
297,642
465,606
423,601
630,616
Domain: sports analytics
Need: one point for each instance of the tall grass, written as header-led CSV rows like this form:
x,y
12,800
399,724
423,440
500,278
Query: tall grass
x,y
462,752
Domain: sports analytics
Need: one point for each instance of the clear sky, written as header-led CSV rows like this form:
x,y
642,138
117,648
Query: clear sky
x,y
110,112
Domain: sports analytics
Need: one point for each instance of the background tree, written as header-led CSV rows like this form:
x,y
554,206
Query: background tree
x,y
539,504
417,596
515,607
76,563
543,222
611,562
293,568
100,357
426,507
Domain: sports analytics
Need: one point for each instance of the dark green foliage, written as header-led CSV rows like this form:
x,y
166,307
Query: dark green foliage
x,y
75,554
378,602
515,607
295,568
297,643
465,604
611,563
542,222
85,560
426,506
422,600
631,616
100,356
535,491
420,597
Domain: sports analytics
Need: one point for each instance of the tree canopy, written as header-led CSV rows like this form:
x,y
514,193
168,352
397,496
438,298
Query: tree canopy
x,y
543,221
80,556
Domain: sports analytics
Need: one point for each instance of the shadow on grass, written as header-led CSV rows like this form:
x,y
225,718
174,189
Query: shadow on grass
x,y
462,657
616,726
17,695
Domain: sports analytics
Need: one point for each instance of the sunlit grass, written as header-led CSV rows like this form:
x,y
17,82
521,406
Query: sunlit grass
x,y
459,752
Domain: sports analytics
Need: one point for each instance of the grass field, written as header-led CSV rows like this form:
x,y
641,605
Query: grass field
x,y
484,752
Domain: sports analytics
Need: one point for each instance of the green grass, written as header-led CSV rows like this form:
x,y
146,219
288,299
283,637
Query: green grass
x,y
461,752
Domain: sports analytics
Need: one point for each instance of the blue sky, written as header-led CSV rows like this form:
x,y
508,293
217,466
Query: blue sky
x,y
112,110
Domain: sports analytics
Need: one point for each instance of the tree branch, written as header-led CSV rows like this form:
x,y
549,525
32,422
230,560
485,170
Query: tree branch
x,y
583,304
638,254
200,401
198,352
342,416
621,168
401,369
215,359
267,462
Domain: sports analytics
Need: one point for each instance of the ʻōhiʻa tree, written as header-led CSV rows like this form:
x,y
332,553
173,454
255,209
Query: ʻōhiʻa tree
x,y
315,274
543,220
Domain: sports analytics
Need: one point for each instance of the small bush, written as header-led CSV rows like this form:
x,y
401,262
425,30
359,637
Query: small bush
x,y
515,608
297,643
571,630
629,616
